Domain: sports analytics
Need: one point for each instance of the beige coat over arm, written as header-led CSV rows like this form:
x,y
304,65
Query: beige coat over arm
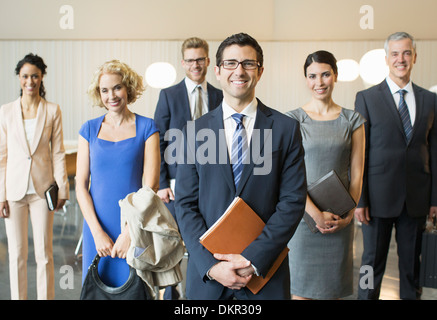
x,y
156,244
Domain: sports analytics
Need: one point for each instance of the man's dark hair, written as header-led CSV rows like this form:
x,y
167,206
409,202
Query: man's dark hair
x,y
240,39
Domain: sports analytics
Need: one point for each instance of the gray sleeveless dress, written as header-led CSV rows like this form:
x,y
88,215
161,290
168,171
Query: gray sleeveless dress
x,y
321,265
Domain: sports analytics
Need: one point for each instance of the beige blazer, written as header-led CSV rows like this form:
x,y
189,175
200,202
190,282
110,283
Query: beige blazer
x,y
44,159
156,244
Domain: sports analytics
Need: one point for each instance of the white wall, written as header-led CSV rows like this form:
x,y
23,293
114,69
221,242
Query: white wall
x,y
266,20
140,32
72,63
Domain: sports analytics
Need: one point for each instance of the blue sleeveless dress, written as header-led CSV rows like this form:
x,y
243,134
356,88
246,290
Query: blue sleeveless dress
x,y
116,169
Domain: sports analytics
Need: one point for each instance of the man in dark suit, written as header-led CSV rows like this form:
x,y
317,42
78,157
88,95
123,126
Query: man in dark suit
x,y
185,101
274,188
400,176
181,103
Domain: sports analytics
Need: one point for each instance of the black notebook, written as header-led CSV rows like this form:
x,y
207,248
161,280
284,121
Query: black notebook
x,y
329,194
52,196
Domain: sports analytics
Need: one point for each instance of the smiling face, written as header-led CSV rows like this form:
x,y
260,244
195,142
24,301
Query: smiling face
x,y
197,70
320,80
30,79
238,85
400,59
113,92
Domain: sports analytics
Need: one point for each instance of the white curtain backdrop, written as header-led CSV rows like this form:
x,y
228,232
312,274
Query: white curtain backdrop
x,y
71,65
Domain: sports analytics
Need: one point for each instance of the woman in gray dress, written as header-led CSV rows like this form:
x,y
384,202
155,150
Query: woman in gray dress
x,y
321,263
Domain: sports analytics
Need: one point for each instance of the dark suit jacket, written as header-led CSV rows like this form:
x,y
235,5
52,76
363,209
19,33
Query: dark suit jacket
x,y
397,173
203,193
173,112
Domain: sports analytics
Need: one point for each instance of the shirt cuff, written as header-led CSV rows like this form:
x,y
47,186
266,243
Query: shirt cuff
x,y
256,270
208,276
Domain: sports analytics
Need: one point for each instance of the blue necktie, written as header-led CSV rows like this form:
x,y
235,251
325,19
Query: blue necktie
x,y
239,147
405,115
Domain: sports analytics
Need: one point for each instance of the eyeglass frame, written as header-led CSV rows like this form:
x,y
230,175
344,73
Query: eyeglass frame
x,y
258,65
199,61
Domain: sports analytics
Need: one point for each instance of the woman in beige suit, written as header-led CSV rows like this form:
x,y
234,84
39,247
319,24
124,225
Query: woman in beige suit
x,y
32,157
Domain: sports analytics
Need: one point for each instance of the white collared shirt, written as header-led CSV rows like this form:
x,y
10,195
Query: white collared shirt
x,y
409,97
192,95
229,123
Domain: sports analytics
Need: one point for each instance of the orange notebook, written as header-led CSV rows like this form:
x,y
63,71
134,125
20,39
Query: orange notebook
x,y
233,232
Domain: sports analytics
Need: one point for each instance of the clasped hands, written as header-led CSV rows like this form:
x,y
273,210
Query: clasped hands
x,y
106,247
328,222
233,271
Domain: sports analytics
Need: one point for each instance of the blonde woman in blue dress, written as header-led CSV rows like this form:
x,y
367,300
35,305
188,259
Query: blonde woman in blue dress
x,y
321,263
117,152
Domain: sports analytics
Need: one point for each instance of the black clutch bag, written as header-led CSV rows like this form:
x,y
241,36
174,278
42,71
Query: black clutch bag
x,y
94,289
329,194
52,196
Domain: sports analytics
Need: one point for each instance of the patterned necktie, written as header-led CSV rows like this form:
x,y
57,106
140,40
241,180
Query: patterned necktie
x,y
405,115
199,104
239,147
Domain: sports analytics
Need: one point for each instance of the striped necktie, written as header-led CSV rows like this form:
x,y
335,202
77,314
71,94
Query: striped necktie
x,y
239,147
405,115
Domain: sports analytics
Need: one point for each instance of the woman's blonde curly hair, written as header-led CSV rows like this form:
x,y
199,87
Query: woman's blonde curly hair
x,y
130,79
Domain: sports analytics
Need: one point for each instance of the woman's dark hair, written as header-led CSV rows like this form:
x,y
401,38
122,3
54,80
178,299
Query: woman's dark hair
x,y
240,39
37,62
321,56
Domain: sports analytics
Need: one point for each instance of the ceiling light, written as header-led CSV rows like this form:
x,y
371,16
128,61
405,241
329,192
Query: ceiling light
x,y
160,75
373,68
348,70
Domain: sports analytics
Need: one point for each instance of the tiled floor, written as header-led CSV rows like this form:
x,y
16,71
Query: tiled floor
x,y
68,265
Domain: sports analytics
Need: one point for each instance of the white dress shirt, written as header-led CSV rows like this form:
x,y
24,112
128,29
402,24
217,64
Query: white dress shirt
x,y
230,124
409,97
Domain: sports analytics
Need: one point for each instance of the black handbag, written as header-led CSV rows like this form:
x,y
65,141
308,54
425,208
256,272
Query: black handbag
x,y
94,289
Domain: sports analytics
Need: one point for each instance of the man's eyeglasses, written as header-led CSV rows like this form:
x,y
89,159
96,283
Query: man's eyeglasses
x,y
199,61
246,64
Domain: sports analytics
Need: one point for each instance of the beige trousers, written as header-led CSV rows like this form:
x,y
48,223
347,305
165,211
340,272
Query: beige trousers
x,y
17,233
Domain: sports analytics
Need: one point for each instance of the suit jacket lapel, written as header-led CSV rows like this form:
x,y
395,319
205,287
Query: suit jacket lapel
x,y
185,102
21,133
211,96
216,124
40,123
262,123
419,107
389,101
